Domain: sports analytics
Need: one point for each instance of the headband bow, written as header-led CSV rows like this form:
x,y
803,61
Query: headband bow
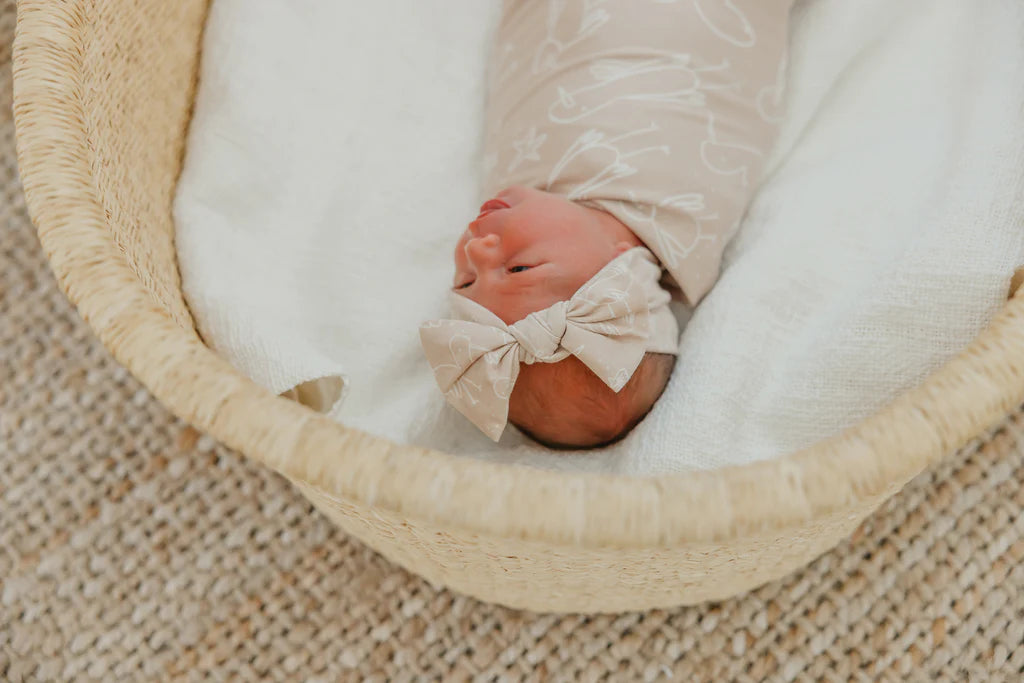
x,y
609,324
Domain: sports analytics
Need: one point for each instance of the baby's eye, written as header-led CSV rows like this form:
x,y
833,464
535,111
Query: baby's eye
x,y
518,269
465,284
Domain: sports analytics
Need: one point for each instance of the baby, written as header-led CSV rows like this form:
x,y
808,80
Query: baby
x,y
624,138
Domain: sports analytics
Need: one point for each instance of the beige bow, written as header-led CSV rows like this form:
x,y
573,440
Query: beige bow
x,y
609,323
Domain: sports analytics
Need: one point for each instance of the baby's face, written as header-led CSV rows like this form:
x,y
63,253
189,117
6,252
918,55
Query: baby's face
x,y
529,249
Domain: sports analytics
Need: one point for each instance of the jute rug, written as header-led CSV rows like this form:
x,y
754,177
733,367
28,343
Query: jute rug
x,y
133,548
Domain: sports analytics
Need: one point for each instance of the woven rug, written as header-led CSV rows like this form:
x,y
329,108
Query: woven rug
x,y
133,548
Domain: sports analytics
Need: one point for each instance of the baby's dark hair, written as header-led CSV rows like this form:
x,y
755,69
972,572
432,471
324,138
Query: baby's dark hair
x,y
566,406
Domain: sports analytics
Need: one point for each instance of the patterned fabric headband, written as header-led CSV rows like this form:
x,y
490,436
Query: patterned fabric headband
x,y
609,324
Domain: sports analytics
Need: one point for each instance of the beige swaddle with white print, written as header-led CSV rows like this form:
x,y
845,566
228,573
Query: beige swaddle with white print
x,y
659,112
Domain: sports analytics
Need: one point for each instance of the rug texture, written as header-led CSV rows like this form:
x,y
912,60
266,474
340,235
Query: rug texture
x,y
132,548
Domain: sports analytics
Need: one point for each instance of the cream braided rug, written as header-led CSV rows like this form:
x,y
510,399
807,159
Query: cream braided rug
x,y
131,548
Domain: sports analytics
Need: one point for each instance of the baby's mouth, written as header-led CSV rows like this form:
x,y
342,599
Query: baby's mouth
x,y
492,205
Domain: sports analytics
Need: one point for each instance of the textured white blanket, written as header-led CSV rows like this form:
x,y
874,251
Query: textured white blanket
x,y
333,161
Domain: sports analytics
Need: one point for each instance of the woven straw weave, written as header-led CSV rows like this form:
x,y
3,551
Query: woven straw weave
x,y
133,549
102,96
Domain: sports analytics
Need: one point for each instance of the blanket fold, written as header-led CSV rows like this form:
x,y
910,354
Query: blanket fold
x,y
327,180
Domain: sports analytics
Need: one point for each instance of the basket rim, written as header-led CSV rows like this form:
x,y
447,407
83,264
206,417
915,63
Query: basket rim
x,y
953,405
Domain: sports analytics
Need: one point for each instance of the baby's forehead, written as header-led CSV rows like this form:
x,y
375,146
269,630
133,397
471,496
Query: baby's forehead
x,y
536,297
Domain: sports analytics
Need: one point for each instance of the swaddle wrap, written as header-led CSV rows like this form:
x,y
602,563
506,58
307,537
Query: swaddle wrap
x,y
660,113
609,324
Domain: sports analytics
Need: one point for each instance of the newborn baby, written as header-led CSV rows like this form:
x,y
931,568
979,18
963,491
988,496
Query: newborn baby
x,y
624,137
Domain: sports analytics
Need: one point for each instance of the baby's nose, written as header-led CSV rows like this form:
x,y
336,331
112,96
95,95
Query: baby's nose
x,y
482,251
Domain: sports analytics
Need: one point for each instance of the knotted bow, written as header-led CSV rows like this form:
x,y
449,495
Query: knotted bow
x,y
609,324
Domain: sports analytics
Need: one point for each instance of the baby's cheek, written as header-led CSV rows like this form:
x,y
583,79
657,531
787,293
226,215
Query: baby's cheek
x,y
459,253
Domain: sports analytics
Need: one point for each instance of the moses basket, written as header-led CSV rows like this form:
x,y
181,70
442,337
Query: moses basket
x,y
103,94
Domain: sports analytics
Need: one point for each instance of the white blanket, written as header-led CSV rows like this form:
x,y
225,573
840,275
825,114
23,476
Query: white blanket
x,y
333,161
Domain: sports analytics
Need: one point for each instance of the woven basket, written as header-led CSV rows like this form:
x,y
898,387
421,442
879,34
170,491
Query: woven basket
x,y
103,91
